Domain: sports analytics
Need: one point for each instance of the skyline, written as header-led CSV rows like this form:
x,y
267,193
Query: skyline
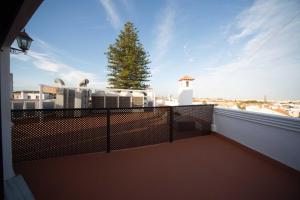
x,y
246,49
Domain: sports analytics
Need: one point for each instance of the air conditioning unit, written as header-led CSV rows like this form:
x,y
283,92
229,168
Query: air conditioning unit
x,y
29,105
82,98
65,98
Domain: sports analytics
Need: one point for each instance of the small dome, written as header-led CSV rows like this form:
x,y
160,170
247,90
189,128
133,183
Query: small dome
x,y
186,78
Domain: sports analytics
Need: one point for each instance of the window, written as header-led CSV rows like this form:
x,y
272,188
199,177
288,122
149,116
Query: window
x,y
186,84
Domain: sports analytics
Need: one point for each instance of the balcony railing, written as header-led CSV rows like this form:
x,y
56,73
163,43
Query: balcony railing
x,y
46,133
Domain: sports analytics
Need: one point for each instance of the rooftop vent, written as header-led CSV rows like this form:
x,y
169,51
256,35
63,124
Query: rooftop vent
x,y
59,82
84,83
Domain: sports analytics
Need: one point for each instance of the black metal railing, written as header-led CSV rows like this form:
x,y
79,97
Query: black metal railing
x,y
39,134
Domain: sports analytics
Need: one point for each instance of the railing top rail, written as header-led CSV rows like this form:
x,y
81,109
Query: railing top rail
x,y
255,115
147,107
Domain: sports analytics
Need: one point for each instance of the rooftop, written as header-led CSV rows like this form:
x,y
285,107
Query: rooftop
x,y
186,78
203,167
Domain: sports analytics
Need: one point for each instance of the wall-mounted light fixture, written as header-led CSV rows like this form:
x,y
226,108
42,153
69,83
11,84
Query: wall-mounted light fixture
x,y
24,42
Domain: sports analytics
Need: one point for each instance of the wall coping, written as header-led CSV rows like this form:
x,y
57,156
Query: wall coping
x,y
287,123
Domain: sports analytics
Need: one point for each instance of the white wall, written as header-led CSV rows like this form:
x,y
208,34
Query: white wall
x,y
274,136
5,112
185,93
185,97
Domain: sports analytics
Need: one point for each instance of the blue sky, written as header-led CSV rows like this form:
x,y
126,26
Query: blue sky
x,y
234,49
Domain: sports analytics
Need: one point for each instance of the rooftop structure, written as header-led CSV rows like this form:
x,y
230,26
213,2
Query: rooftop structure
x,y
186,78
185,91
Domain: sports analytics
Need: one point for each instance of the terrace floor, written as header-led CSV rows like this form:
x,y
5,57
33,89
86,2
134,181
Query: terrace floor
x,y
204,167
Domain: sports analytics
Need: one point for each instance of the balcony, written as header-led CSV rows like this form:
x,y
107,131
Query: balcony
x,y
157,153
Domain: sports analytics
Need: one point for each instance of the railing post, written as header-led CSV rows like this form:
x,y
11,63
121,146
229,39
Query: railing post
x,y
171,124
108,130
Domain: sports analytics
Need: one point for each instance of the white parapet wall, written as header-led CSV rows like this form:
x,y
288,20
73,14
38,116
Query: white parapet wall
x,y
274,136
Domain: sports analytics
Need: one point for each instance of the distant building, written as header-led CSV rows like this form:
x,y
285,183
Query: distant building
x,y
30,94
266,110
185,93
30,99
294,112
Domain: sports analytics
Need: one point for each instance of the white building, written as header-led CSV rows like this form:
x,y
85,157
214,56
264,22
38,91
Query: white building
x,y
294,112
255,108
30,94
30,99
185,93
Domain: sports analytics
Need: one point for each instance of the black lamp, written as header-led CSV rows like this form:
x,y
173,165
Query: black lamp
x,y
24,42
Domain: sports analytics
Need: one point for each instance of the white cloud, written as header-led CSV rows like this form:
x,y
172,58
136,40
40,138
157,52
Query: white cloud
x,y
268,62
263,17
164,31
48,62
53,51
164,36
111,13
188,54
44,62
21,57
127,4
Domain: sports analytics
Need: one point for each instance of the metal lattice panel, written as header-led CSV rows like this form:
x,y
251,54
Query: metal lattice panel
x,y
192,120
38,134
138,127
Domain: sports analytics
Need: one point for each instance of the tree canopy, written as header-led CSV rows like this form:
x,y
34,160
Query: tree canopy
x,y
128,61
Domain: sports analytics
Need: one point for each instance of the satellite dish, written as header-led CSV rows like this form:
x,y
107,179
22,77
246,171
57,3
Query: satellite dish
x,y
84,83
59,81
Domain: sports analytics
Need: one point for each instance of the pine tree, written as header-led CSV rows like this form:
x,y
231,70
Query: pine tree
x,y
127,61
